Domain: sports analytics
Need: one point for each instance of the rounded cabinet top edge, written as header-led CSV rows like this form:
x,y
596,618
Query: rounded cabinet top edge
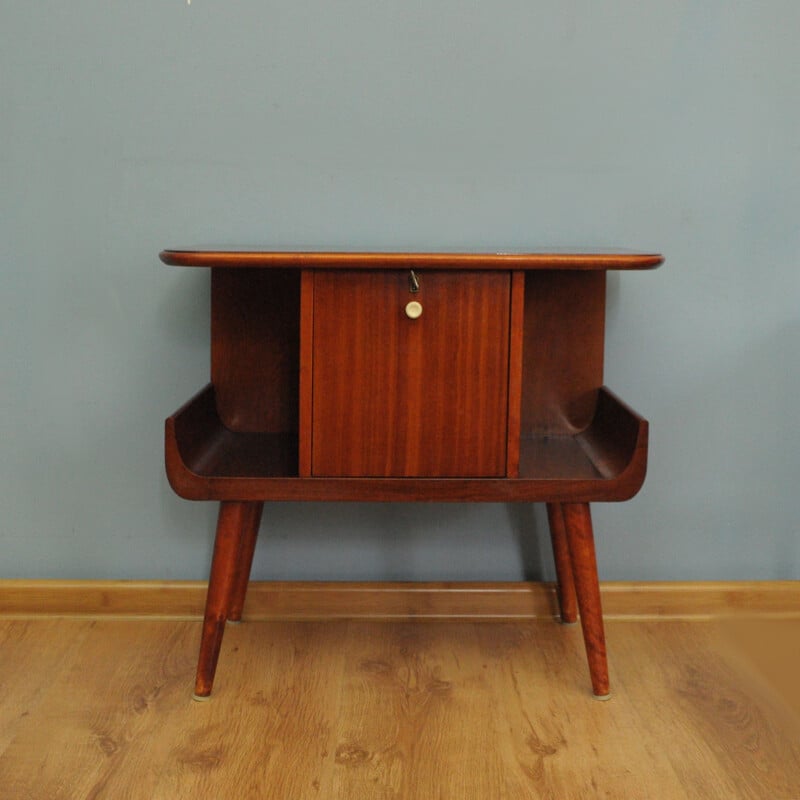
x,y
570,259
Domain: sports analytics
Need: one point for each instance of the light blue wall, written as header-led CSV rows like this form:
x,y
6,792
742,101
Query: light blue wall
x,y
130,126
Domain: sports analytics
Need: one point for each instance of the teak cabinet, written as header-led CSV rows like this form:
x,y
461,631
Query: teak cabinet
x,y
406,377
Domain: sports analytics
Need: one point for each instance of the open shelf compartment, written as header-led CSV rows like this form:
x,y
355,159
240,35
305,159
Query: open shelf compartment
x,y
208,461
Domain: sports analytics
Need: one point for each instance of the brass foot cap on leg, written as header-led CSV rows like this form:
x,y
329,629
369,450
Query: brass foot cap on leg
x,y
602,697
201,698
569,621
234,622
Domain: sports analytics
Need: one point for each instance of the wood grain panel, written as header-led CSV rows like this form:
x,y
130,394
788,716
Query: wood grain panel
x,y
563,345
515,356
255,349
397,397
306,371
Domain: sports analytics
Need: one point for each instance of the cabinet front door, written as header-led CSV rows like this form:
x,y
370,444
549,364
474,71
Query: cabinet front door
x,y
409,373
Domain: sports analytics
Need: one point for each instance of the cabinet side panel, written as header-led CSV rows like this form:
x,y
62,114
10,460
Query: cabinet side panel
x,y
515,372
563,350
255,342
306,371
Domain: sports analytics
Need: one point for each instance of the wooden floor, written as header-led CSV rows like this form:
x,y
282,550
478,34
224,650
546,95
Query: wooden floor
x,y
101,708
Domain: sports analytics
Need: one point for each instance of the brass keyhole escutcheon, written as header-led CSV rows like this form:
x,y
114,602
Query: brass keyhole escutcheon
x,y
414,310
413,282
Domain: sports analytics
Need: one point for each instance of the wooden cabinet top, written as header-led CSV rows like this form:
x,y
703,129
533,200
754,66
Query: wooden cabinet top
x,y
551,259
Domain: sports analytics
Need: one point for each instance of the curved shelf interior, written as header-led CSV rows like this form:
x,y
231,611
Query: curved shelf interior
x,y
201,450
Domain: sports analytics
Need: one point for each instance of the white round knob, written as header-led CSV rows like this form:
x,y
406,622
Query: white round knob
x,y
414,310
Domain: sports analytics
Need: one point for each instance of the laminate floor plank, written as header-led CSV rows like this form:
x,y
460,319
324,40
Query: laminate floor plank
x,y
416,716
98,714
772,648
433,710
33,655
722,734
558,741
266,731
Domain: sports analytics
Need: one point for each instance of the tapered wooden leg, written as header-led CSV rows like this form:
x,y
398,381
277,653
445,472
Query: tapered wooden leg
x,y
244,564
565,586
578,521
230,526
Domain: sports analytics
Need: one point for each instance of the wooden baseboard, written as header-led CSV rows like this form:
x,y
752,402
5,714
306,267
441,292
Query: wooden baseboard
x,y
395,601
